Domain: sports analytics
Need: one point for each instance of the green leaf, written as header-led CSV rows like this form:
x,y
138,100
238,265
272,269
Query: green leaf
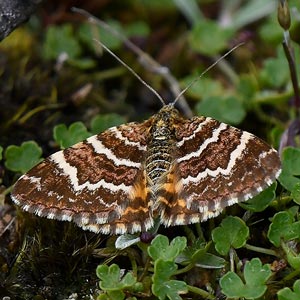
x,y
292,257
160,247
164,288
67,137
262,200
270,32
247,86
233,232
111,279
1,150
61,39
296,193
255,276
289,176
102,122
208,38
283,227
210,261
275,73
205,86
228,110
126,240
22,158
287,294
115,295
197,255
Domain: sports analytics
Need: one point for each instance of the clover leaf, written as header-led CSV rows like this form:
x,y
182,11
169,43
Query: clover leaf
x,y
228,109
255,277
287,294
283,227
261,201
206,86
289,176
162,286
112,282
208,38
274,72
67,137
61,39
295,193
101,122
233,232
22,158
160,247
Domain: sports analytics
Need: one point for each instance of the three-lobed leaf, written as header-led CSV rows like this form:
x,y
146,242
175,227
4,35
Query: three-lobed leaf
x,y
61,39
233,232
163,287
274,72
209,38
111,279
224,109
289,176
261,201
22,158
295,193
287,294
67,137
161,248
283,227
102,122
255,277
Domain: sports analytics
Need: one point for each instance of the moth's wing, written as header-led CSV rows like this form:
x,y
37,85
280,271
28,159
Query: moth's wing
x,y
216,166
99,183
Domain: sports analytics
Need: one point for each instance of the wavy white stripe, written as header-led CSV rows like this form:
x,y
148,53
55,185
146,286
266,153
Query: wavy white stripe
x,y
213,139
101,149
59,159
235,154
118,135
192,136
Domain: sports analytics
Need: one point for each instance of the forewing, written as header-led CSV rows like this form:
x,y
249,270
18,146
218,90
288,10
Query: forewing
x,y
217,165
99,183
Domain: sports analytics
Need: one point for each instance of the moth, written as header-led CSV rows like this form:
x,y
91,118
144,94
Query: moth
x,y
168,168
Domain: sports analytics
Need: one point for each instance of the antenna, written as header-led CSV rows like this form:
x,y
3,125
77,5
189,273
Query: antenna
x,y
205,71
163,70
132,71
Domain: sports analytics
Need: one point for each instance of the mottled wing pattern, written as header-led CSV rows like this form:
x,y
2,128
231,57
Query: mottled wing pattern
x,y
100,183
216,165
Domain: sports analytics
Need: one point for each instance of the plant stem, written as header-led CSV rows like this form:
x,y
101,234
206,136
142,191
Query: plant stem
x,y
185,269
291,275
202,293
145,270
261,250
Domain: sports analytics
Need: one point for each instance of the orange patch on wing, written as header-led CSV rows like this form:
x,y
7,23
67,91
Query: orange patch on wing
x,y
140,192
170,189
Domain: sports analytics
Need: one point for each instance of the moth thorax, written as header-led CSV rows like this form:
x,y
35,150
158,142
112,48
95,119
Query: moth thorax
x,y
159,153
